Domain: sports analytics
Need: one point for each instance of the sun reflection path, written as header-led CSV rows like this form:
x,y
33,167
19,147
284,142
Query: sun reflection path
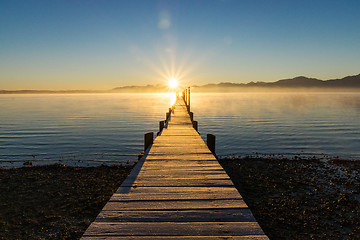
x,y
173,97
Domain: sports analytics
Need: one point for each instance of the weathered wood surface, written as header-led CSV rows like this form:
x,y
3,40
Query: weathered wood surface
x,y
217,215
178,192
221,237
174,229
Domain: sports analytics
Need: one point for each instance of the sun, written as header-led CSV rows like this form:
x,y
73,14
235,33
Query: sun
x,y
173,83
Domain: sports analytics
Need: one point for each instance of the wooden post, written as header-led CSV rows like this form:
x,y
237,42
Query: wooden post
x,y
188,101
189,96
167,116
191,116
161,125
148,140
195,125
210,141
185,96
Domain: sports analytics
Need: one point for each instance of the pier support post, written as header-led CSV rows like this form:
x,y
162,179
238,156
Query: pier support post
x,y
195,125
184,96
161,126
210,141
148,140
188,99
167,116
191,116
187,96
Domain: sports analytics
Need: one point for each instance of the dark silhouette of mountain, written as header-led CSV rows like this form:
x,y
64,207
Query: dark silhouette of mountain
x,y
346,83
298,82
349,81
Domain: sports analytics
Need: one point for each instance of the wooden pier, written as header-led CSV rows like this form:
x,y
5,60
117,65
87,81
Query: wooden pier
x,y
178,190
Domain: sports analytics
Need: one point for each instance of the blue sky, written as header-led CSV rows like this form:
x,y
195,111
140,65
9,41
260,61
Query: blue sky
x,y
104,44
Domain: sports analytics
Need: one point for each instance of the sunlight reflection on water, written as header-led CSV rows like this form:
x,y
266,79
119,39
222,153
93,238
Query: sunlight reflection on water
x,y
105,128
79,127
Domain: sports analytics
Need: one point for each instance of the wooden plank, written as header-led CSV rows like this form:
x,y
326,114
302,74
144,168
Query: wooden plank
x,y
174,205
197,158
185,168
181,190
184,171
171,165
179,175
200,148
174,229
207,175
174,196
166,189
167,142
253,237
217,215
183,156
169,177
182,183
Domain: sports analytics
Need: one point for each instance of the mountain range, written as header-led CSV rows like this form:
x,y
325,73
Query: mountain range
x,y
346,83
349,83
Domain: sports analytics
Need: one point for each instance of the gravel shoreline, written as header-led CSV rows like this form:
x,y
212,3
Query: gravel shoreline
x,y
291,199
298,198
54,201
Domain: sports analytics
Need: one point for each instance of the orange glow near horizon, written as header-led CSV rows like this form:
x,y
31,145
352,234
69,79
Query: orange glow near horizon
x,y
170,64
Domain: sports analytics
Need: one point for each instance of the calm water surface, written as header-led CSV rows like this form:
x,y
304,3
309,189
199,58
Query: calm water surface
x,y
91,128
87,129
280,123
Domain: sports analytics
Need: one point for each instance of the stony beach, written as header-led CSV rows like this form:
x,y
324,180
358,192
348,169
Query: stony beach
x,y
290,198
55,201
300,198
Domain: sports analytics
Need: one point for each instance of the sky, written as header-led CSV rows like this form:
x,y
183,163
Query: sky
x,y
94,44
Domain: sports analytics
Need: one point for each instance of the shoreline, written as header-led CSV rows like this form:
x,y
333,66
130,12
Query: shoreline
x,y
290,198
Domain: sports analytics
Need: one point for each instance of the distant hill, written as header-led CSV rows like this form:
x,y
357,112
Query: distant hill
x,y
125,89
48,91
346,83
349,81
141,89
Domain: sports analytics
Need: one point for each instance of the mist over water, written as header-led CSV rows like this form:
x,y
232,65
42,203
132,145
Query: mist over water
x,y
90,129
281,123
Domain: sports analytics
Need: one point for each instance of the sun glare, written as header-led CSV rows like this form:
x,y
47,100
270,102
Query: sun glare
x,y
173,83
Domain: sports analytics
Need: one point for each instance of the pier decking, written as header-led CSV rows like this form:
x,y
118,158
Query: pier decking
x,y
178,191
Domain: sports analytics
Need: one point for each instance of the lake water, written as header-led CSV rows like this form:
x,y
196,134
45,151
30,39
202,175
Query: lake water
x,y
88,129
